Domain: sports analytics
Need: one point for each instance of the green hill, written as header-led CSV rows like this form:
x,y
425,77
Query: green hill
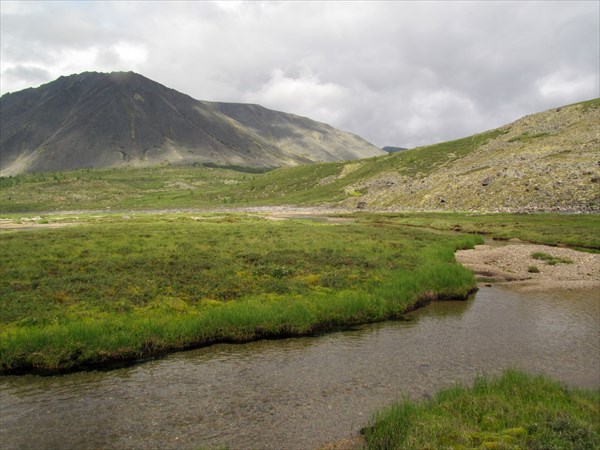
x,y
545,161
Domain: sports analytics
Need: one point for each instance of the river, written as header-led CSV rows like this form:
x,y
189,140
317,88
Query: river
x,y
302,393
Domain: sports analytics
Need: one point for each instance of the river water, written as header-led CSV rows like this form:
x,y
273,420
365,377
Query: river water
x,y
302,393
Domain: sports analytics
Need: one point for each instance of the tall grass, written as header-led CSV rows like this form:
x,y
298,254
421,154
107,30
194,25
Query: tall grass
x,y
134,289
513,411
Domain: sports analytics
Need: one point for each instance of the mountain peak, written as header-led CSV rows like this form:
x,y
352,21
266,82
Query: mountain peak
x,y
94,119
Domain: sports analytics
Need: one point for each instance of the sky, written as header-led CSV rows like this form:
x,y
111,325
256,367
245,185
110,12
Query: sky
x,y
396,73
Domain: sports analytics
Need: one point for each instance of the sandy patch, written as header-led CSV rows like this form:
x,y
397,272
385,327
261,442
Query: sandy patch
x,y
512,265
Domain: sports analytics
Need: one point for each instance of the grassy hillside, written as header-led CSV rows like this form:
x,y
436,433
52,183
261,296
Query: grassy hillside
x,y
547,161
128,188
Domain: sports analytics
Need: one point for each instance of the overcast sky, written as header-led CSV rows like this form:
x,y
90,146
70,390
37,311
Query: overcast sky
x,y
396,73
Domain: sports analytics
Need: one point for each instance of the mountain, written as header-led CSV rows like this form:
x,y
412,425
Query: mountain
x,y
548,161
96,120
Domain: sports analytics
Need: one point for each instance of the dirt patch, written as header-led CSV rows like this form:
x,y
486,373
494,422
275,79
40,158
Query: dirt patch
x,y
279,213
27,225
514,265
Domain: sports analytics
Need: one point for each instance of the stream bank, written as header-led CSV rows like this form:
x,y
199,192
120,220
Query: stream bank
x,y
302,393
516,265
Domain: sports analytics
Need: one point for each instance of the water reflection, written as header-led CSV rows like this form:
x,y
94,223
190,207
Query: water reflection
x,y
300,393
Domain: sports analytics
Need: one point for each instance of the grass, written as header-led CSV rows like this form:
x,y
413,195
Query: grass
x,y
127,288
121,287
588,104
127,188
533,269
527,136
550,259
513,411
574,230
331,182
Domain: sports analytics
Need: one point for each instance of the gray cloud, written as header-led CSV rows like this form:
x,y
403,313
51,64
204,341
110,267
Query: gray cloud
x,y
25,75
397,73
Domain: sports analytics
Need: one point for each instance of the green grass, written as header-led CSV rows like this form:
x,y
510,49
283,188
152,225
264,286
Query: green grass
x,y
588,104
128,188
514,411
550,259
120,289
574,230
527,136
424,160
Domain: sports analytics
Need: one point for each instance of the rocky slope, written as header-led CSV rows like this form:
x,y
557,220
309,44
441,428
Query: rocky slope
x,y
95,120
546,161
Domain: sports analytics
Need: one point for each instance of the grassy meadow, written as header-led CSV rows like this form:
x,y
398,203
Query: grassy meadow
x,y
513,411
129,188
118,288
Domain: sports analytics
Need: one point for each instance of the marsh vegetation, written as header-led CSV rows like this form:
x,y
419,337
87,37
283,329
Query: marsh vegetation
x,y
130,288
124,287
514,411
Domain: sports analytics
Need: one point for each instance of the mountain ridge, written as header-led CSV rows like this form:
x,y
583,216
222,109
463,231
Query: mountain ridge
x,y
98,120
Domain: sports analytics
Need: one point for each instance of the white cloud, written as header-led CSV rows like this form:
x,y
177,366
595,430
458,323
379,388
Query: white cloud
x,y
397,73
304,95
433,113
565,84
21,76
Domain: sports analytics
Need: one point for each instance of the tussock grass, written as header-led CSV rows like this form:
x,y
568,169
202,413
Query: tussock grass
x,y
133,288
513,411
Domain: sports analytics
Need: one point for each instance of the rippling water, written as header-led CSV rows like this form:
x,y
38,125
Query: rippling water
x,y
302,393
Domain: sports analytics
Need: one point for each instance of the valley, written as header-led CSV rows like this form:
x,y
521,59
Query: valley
x,y
109,268
516,168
